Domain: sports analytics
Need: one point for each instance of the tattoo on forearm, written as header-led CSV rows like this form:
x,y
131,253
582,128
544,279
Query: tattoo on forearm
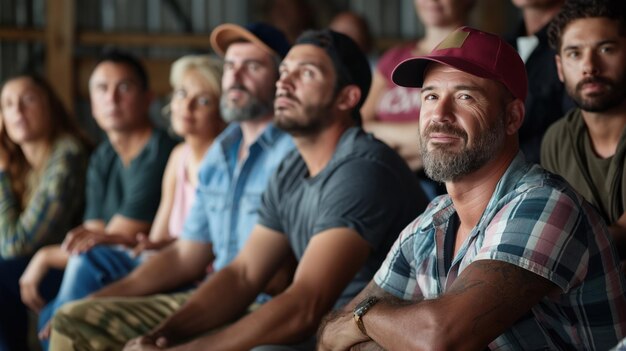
x,y
514,284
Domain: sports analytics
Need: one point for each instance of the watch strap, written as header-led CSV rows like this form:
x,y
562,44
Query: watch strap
x,y
361,309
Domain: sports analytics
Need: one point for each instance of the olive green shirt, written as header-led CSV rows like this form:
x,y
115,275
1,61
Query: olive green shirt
x,y
566,150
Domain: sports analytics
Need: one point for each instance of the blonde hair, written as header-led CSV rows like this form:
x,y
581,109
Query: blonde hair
x,y
205,65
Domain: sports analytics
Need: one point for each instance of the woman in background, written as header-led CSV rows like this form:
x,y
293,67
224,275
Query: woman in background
x,y
43,160
195,116
391,112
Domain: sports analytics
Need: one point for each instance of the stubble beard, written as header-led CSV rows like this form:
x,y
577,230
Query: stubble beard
x,y
613,97
442,164
317,118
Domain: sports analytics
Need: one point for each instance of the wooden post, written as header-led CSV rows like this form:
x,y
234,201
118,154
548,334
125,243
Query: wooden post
x,y
60,37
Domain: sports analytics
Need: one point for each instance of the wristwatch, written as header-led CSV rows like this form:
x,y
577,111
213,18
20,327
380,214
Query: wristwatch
x,y
361,309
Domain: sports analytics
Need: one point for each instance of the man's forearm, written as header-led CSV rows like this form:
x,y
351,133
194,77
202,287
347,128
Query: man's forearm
x,y
160,273
219,300
286,319
123,287
487,298
339,331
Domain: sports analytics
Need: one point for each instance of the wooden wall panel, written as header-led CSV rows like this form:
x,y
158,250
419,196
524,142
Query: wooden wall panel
x,y
59,34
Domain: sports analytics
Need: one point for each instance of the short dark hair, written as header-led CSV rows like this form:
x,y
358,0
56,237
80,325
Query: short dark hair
x,y
349,61
576,9
126,58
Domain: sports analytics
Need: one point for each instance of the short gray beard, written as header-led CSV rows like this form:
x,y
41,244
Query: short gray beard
x,y
442,165
254,109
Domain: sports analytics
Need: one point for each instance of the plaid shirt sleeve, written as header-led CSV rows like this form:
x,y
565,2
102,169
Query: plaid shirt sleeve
x,y
545,231
397,273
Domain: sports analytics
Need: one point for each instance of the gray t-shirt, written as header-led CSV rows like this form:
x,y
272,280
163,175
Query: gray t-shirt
x,y
366,186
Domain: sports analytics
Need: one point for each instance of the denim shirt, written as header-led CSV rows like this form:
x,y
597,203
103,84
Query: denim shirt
x,y
229,192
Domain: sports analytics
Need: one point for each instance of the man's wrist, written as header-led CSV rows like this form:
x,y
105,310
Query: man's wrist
x,y
166,330
155,334
361,309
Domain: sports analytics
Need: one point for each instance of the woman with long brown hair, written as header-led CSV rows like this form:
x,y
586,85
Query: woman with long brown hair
x,y
43,160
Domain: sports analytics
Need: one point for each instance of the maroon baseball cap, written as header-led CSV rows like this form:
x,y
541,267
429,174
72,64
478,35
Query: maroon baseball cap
x,y
472,51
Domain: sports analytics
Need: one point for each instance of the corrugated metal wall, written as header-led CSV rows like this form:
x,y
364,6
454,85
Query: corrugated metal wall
x,y
152,16
23,14
387,18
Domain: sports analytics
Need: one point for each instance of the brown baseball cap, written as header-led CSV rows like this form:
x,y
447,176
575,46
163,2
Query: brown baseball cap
x,y
263,35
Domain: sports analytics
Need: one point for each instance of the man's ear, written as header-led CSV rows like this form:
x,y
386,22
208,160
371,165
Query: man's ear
x,y
559,67
514,116
348,98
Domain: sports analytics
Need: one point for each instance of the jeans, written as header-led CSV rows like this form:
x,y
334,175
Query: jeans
x,y
87,273
13,313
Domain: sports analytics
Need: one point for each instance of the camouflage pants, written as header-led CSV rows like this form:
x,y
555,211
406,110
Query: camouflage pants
x,y
108,323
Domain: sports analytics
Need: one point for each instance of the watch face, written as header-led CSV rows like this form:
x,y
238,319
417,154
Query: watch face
x,y
361,309
365,305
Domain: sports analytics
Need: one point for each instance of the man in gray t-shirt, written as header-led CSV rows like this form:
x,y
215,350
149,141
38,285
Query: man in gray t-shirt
x,y
365,187
337,203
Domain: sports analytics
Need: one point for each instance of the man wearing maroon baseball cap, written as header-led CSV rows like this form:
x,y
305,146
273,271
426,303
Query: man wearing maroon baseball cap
x,y
469,50
511,258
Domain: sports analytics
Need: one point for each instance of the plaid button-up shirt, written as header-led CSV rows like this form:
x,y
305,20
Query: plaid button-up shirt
x,y
534,220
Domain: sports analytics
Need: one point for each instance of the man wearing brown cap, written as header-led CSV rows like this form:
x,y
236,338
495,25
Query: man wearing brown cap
x,y
232,177
512,258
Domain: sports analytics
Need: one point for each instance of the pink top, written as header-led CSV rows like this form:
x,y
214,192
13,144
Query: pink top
x,y
184,194
397,104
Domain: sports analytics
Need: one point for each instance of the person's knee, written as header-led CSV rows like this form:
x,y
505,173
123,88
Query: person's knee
x,y
71,312
60,321
64,320
78,265
75,327
96,266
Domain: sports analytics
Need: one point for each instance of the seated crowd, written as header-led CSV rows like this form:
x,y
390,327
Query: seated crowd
x,y
273,219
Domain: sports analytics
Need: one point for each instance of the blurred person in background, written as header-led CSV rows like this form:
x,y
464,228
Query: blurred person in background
x,y
233,175
196,118
391,112
123,190
547,100
43,162
291,17
356,27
